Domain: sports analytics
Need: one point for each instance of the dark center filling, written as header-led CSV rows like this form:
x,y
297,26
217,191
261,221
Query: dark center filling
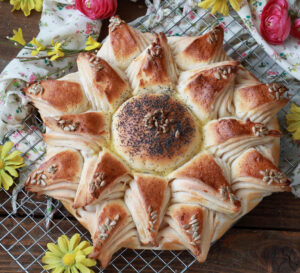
x,y
154,126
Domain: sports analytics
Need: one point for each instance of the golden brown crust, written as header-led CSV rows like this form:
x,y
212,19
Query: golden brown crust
x,y
152,190
154,68
259,102
203,181
203,168
193,52
183,216
252,164
111,212
147,199
63,96
100,175
115,211
209,90
256,95
224,129
195,226
89,123
68,166
201,49
123,42
58,176
111,168
105,79
86,131
229,128
204,88
115,229
154,132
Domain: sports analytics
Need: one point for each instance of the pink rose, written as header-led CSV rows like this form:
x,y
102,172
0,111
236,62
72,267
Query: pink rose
x,y
97,9
295,30
275,22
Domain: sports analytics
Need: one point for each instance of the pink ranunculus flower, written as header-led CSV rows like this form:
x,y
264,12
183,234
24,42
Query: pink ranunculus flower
x,y
275,22
295,30
97,9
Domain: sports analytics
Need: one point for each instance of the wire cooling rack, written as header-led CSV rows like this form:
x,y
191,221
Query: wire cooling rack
x,y
23,233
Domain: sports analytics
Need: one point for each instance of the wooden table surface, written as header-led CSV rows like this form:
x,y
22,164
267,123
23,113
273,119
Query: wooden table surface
x,y
265,240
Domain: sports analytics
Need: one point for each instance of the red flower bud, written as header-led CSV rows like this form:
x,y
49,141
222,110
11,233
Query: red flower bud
x,y
275,22
97,9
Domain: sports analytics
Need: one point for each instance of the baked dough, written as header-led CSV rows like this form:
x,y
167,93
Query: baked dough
x,y
158,143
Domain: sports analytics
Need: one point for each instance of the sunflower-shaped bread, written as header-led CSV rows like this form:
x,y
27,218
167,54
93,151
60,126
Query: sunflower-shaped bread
x,y
158,143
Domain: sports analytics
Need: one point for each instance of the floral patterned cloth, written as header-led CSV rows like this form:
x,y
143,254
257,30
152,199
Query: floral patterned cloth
x,y
286,55
59,21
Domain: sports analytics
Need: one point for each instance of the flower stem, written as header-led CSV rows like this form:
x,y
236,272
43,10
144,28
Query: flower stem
x,y
68,66
28,59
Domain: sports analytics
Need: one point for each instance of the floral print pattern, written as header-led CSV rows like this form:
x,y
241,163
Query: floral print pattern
x,y
59,21
286,55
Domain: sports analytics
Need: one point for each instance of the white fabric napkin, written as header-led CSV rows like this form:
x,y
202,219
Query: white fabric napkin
x,y
59,21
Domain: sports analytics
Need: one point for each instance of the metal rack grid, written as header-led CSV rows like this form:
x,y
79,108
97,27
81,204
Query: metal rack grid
x,y
26,235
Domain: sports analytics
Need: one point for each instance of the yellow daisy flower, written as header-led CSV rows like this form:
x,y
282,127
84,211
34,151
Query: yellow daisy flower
x,y
18,37
220,6
9,162
27,5
38,5
56,52
38,46
69,256
293,121
92,44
